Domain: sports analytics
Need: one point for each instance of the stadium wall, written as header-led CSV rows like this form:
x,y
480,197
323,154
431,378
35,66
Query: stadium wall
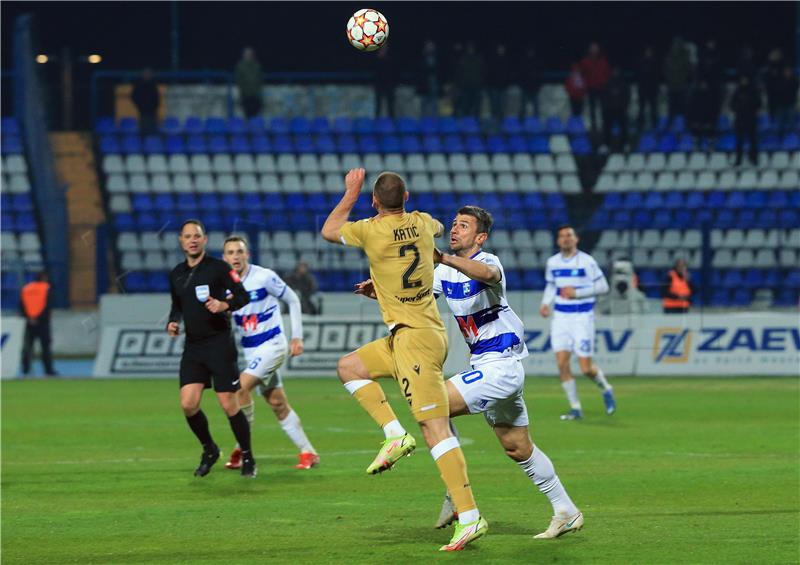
x,y
134,344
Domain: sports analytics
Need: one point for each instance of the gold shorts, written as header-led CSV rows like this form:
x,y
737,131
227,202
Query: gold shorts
x,y
414,358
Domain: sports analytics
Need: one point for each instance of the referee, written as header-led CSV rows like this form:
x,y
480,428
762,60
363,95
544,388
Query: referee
x,y
199,286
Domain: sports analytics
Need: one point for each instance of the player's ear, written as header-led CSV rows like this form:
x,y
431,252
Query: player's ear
x,y
405,196
481,238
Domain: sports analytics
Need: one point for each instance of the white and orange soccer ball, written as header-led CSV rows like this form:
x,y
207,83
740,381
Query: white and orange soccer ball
x,y
367,30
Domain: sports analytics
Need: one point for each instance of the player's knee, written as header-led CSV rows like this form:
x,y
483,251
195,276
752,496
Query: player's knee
x,y
346,369
190,406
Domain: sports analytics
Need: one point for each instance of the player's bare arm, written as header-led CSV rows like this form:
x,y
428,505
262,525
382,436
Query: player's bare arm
x,y
339,215
476,270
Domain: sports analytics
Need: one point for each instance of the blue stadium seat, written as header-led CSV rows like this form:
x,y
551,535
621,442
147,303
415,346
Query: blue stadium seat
x,y
453,144
474,144
210,201
196,144
641,219
539,144
447,126
517,144
240,144
21,203
236,126
257,125
410,144
769,142
186,202
683,219
407,126
533,125
218,144
193,126
142,203
428,126
497,144
695,200
668,143
158,281
389,143
279,126
755,199
741,297
555,125
647,143
104,126
533,279
725,219
11,145
131,144
229,202
724,123
753,278
777,199
632,200
575,126
613,201
513,279
789,219
324,144
214,222
735,200
149,222
128,126
8,222
678,124
342,126
300,126
662,219
746,219
304,143
320,126
686,143
511,125
384,126
134,282
469,125
109,146
175,145
153,144
282,144
786,297
364,126
261,144
163,202
719,297
581,145
673,200
346,143
216,126
716,199
431,144
601,219
791,142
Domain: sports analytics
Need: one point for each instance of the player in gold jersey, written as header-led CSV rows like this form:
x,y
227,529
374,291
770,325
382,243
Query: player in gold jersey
x,y
400,248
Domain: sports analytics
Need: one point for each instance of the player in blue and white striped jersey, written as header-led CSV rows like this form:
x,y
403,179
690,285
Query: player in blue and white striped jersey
x,y
263,340
473,283
573,281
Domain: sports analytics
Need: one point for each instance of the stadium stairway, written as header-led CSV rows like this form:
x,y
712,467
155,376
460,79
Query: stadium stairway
x,y
75,164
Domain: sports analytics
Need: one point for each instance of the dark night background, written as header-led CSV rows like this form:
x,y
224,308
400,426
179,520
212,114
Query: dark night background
x,y
310,36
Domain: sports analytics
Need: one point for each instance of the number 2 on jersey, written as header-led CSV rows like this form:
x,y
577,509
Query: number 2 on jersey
x,y
412,267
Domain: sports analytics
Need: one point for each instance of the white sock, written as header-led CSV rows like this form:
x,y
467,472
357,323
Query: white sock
x,y
394,429
294,429
540,470
571,388
601,381
249,412
468,516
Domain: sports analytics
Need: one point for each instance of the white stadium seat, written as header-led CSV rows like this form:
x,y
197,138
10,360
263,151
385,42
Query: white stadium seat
x,y
135,164
265,164
178,164
479,163
307,163
436,163
522,163
156,163
286,164
244,163
395,162
501,163
458,163
329,163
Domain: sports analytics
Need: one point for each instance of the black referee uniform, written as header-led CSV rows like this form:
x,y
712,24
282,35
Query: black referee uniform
x,y
209,352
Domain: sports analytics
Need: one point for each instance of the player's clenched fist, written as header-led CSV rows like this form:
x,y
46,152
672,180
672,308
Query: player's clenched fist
x,y
173,329
354,180
216,306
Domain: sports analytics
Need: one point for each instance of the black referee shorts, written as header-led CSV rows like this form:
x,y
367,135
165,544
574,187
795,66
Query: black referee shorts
x,y
213,359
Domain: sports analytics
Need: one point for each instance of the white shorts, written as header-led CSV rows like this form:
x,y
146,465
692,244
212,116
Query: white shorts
x,y
264,361
574,334
495,389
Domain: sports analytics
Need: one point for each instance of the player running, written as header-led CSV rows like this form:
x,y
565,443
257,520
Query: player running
x,y
573,281
261,331
473,283
399,246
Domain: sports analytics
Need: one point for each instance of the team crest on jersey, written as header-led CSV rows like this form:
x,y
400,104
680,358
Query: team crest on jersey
x,y
202,292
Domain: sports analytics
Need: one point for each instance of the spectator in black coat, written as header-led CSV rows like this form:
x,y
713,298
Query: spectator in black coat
x,y
146,97
648,76
429,82
710,70
497,79
615,106
385,82
530,81
702,107
468,81
773,72
745,104
786,100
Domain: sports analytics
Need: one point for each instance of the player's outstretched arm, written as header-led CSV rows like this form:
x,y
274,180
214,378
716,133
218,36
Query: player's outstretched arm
x,y
476,270
291,300
339,215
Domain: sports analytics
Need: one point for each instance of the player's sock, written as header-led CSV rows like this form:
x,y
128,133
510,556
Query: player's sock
x,y
241,430
601,381
571,388
453,469
294,429
370,395
250,412
199,425
540,470
393,429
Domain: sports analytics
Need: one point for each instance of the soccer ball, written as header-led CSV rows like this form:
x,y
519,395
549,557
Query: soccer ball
x,y
367,30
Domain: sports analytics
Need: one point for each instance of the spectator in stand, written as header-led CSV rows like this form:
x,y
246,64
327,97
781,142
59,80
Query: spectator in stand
x,y
747,63
773,73
678,76
576,89
250,80
385,82
647,83
469,81
745,104
786,100
497,80
677,290
615,107
450,72
304,283
596,72
710,70
147,98
35,308
530,80
429,84
702,114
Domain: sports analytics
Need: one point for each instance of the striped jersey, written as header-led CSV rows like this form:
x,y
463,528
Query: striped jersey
x,y
490,327
260,321
579,271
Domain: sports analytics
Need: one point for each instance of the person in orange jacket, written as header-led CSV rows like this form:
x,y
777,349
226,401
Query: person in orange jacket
x,y
35,307
677,291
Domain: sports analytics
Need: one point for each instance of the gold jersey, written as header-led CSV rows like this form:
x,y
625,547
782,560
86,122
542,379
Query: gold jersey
x,y
400,252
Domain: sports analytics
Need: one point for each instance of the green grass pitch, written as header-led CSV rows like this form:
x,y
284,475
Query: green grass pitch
x,y
688,471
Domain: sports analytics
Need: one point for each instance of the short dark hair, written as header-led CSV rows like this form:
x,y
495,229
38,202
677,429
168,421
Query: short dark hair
x,y
565,227
484,218
390,189
195,222
235,237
